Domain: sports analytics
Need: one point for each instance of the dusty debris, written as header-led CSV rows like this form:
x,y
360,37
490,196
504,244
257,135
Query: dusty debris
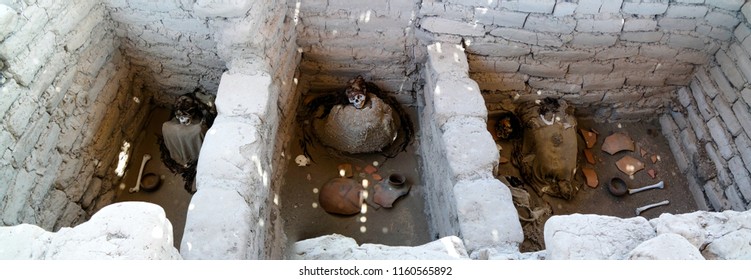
x,y
629,165
617,142
589,156
591,176
590,138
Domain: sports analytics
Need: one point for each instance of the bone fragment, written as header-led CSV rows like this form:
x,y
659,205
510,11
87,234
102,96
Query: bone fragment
x,y
659,185
146,158
650,206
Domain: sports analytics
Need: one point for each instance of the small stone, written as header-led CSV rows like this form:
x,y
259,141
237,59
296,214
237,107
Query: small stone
x,y
654,158
377,177
643,152
652,173
629,165
503,160
590,138
308,177
617,142
591,177
345,170
370,169
589,156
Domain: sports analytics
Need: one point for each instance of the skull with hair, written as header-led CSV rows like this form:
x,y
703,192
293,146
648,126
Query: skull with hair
x,y
357,92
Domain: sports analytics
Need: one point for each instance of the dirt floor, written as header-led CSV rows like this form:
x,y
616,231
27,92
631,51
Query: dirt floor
x,y
647,136
405,224
171,195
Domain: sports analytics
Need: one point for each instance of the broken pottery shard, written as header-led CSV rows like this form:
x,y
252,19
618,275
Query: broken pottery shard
x,y
652,173
341,196
503,160
385,194
643,152
617,142
654,158
590,138
629,165
589,156
370,169
591,177
377,177
345,170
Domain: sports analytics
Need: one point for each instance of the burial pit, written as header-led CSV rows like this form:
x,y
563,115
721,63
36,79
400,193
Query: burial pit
x,y
88,85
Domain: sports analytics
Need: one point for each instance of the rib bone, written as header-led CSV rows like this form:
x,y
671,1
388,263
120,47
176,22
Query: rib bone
x,y
650,206
146,157
659,185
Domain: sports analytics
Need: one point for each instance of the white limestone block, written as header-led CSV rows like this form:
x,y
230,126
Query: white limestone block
x,y
729,229
594,237
339,247
447,58
666,246
222,8
217,226
456,98
735,245
22,242
242,95
8,19
470,149
487,216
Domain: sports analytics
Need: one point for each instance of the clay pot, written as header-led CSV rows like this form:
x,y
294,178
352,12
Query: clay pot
x,y
396,180
341,196
617,187
150,182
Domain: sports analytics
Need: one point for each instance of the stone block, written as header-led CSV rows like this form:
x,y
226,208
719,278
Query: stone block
x,y
645,9
487,217
658,52
585,67
715,195
721,138
686,41
241,95
667,246
593,40
686,11
449,59
600,24
728,116
339,247
642,37
617,52
222,8
734,199
470,150
743,116
447,26
746,95
517,35
720,165
638,24
540,23
500,81
589,7
698,123
226,236
564,9
728,67
649,81
456,98
674,68
720,19
562,55
720,33
552,40
500,18
702,104
743,61
498,49
31,21
594,237
742,32
679,119
506,66
670,130
543,70
693,57
8,20
536,6
677,24
730,5
554,85
684,97
706,84
746,11
741,176
731,246
743,144
602,82
633,67
726,90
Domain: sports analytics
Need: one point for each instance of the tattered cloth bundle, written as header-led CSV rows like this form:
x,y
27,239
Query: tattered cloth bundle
x,y
547,156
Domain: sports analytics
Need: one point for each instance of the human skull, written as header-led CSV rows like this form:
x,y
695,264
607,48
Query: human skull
x,y
185,108
356,92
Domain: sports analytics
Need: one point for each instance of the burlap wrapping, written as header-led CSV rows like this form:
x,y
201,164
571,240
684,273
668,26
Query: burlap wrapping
x,y
549,151
353,130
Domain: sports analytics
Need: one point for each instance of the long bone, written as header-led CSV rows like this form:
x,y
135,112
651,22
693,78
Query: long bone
x,y
146,158
659,185
650,206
